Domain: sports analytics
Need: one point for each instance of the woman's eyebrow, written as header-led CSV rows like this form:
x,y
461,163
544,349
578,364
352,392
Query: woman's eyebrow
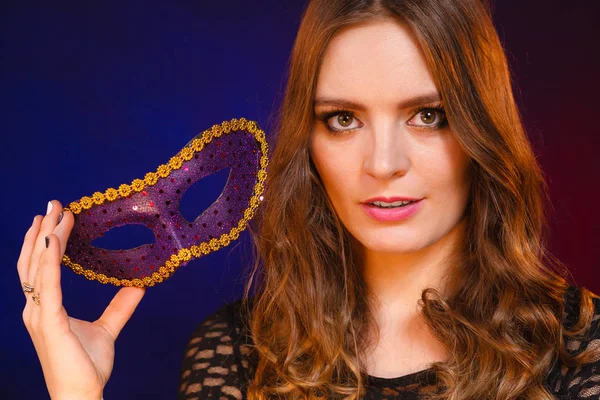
x,y
343,103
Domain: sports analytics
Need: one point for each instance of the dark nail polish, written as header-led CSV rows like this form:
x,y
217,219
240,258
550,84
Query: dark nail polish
x,y
47,241
60,217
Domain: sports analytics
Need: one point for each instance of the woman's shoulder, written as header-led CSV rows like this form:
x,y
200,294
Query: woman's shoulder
x,y
228,316
581,382
217,362
573,302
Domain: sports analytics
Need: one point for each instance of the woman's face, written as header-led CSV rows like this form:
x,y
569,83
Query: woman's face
x,y
370,86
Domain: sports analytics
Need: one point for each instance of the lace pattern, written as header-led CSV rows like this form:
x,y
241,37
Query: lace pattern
x,y
218,363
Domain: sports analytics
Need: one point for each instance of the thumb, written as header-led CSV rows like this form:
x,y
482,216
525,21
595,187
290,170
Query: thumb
x,y
120,309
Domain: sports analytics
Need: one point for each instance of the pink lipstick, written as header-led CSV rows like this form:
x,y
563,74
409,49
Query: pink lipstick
x,y
393,213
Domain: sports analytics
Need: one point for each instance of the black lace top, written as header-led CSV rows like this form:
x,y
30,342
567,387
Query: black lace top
x,y
218,363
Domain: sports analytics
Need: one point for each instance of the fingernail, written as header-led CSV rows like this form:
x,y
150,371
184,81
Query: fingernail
x,y
60,217
47,241
49,208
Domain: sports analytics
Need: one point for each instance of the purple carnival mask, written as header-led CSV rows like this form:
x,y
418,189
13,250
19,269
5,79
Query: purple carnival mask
x,y
154,202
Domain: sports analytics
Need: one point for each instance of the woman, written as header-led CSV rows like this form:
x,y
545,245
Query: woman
x,y
400,249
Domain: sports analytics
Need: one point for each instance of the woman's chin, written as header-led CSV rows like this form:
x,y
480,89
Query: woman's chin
x,y
389,244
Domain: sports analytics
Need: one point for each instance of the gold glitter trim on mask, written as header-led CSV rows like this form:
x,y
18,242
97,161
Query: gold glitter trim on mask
x,y
163,171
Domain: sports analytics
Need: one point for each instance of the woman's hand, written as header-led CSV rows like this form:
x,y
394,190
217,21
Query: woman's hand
x,y
76,356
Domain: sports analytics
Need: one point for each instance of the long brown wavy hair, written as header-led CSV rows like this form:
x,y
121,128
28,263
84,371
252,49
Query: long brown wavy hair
x,y
310,311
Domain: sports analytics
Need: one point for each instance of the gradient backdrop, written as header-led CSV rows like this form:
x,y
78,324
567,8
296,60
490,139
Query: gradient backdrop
x,y
94,95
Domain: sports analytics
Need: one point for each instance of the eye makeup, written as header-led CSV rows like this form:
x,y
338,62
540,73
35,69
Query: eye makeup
x,y
438,109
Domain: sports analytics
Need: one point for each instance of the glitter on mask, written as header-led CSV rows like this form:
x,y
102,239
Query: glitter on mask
x,y
154,202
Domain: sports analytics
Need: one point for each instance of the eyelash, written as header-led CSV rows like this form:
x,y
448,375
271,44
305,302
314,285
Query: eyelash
x,y
324,116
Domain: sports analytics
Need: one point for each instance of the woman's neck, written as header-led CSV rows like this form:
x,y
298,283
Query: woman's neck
x,y
396,280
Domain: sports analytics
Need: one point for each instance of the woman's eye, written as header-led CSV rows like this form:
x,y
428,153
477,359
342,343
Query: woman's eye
x,y
429,117
342,121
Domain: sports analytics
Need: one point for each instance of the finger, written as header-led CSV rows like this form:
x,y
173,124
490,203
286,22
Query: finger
x,y
26,250
47,281
48,224
63,230
35,303
120,310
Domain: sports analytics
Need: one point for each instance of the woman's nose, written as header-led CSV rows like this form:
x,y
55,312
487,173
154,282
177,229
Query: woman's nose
x,y
388,152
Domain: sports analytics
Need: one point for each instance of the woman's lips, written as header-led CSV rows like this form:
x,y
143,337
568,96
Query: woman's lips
x,y
392,214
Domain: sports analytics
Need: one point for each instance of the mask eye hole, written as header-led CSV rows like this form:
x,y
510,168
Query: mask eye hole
x,y
202,194
125,237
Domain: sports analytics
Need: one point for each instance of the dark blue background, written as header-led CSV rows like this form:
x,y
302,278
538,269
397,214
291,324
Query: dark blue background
x,y
95,95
